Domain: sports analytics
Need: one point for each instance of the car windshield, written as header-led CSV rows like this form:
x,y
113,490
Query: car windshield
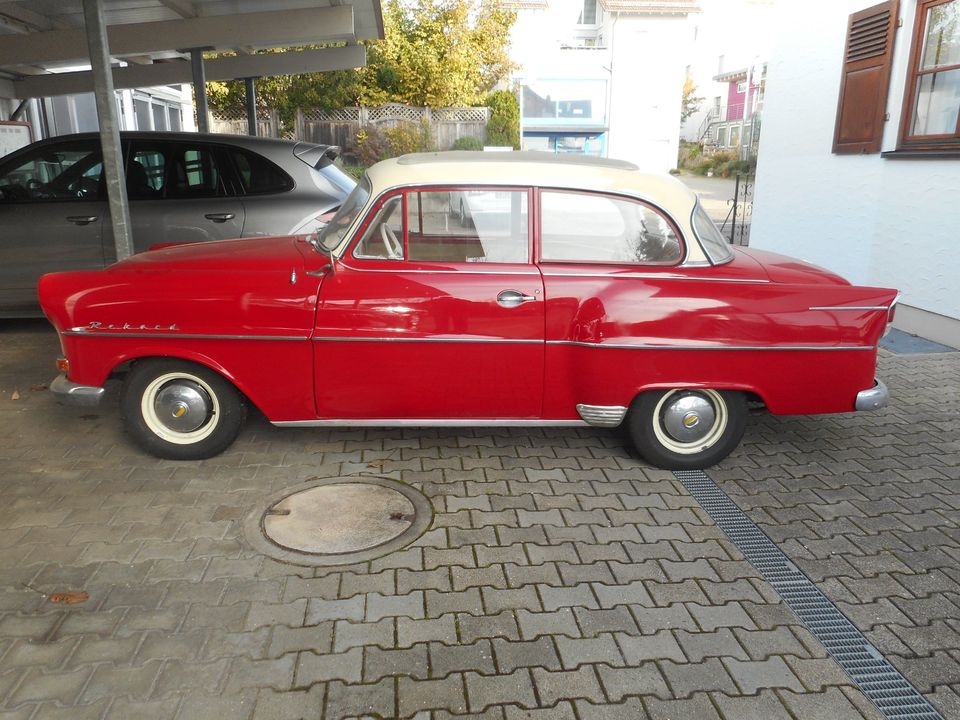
x,y
714,244
334,232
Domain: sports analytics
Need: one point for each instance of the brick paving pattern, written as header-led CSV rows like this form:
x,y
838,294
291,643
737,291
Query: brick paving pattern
x,y
561,578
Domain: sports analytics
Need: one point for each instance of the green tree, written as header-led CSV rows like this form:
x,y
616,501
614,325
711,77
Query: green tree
x,y
437,53
504,126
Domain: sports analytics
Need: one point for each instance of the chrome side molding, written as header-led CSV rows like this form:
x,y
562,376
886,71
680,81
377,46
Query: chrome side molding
x,y
602,415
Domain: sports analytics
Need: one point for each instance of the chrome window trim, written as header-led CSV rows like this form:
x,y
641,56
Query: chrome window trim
x,y
429,422
181,336
643,346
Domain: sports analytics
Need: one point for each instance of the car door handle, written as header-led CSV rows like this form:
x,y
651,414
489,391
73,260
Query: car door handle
x,y
219,217
512,298
82,219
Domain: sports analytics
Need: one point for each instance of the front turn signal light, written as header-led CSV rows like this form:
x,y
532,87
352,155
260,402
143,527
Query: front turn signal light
x,y
63,365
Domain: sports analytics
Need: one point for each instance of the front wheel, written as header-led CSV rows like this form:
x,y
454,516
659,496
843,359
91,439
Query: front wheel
x,y
180,411
687,429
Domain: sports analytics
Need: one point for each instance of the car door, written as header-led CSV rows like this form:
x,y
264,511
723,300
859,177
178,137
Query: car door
x,y
423,318
180,192
52,211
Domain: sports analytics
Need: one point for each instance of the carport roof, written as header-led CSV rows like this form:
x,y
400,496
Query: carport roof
x,y
40,37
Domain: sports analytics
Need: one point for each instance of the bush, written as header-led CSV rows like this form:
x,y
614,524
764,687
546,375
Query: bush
x,y
374,145
503,129
468,143
354,171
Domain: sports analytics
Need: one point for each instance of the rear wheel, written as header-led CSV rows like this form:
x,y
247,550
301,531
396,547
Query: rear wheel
x,y
686,429
181,411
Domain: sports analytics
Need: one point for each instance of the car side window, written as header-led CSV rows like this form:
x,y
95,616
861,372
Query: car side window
x,y
469,225
383,239
146,174
259,176
587,227
72,172
194,173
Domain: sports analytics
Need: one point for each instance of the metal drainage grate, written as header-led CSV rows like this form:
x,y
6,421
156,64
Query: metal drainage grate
x,y
882,683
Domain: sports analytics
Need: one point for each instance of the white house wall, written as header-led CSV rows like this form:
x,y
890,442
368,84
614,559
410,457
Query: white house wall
x,y
648,54
876,221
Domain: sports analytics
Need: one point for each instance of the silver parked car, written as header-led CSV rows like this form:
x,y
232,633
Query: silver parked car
x,y
183,187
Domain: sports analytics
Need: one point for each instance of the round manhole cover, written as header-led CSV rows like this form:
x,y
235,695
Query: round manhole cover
x,y
337,521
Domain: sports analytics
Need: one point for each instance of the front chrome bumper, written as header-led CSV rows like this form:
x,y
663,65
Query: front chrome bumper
x,y
70,393
875,398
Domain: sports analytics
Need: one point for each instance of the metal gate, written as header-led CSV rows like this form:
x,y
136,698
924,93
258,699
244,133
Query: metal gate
x,y
736,226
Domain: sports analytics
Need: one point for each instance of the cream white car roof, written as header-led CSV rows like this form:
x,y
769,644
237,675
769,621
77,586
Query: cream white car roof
x,y
547,170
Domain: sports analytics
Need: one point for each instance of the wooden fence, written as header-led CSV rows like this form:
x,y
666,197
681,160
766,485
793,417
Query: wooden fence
x,y
340,127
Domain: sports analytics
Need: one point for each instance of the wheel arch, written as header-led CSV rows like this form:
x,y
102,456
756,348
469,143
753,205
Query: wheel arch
x,y
123,364
750,391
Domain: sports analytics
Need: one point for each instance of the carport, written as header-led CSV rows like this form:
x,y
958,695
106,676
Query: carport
x,y
147,43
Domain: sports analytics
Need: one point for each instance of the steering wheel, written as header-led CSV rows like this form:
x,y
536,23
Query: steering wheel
x,y
390,242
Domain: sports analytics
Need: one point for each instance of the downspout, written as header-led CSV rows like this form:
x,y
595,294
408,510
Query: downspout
x,y
613,35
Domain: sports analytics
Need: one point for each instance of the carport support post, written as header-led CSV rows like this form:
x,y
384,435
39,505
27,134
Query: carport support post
x,y
106,101
251,101
200,90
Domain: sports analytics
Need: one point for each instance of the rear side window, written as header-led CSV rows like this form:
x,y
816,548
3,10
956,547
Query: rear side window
x,y
584,227
195,173
259,176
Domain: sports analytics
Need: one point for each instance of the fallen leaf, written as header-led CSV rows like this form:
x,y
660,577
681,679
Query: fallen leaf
x,y
37,388
15,395
396,516
378,464
69,598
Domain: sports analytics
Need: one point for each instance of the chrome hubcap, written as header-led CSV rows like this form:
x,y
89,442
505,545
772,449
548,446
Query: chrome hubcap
x,y
689,417
182,406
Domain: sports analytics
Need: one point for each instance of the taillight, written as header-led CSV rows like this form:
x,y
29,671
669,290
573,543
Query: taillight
x,y
63,365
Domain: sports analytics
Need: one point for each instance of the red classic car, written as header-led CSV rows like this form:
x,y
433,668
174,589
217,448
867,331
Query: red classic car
x,y
585,293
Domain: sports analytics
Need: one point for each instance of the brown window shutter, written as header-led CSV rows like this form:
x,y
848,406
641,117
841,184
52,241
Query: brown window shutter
x,y
866,77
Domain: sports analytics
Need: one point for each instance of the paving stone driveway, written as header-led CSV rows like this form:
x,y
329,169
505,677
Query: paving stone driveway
x,y
561,579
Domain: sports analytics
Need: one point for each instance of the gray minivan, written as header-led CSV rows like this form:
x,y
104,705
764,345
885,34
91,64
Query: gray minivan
x,y
183,187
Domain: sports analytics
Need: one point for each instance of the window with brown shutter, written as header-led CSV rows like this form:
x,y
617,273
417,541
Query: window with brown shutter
x,y
866,77
931,105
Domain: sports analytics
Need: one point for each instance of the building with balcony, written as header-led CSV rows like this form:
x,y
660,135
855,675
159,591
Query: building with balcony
x,y
732,121
602,77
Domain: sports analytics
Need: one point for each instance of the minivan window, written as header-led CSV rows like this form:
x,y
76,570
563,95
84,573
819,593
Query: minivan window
x,y
259,176
195,172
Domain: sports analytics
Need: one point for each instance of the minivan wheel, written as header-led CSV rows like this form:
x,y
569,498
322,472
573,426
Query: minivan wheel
x,y
687,429
180,411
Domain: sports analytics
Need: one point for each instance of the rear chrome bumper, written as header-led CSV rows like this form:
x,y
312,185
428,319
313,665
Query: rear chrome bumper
x,y
875,398
70,393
